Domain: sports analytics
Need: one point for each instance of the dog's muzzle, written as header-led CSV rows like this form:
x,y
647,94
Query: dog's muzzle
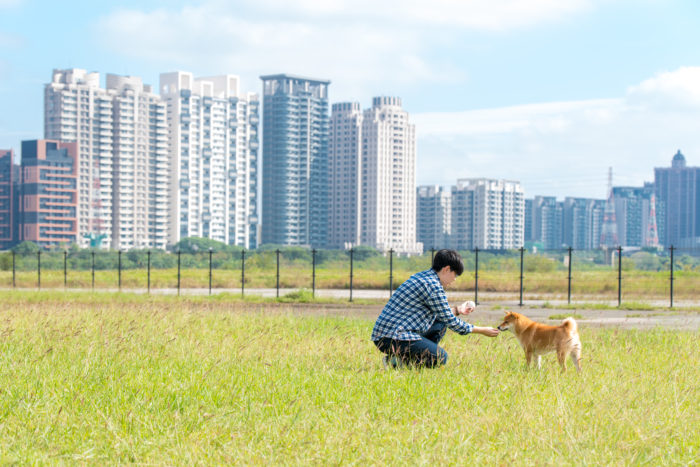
x,y
501,329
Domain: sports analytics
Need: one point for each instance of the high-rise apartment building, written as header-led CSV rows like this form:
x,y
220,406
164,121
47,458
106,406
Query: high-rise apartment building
x,y
462,233
678,191
121,132
547,222
583,222
345,175
76,109
140,214
433,216
295,204
389,178
632,212
8,180
48,193
492,217
214,166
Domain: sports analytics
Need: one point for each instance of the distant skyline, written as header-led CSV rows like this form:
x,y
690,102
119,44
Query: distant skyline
x,y
546,92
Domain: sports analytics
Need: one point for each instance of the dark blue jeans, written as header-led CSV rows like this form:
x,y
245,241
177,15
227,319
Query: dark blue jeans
x,y
424,352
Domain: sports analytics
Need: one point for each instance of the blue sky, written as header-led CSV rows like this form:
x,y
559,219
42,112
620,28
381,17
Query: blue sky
x,y
547,92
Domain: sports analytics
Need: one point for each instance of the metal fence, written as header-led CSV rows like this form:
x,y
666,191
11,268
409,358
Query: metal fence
x,y
116,263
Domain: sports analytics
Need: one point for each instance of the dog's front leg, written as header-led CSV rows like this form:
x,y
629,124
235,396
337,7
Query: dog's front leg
x,y
539,362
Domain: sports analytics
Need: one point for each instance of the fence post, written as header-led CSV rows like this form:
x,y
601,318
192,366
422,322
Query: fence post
x,y
13,270
432,256
178,271
522,255
38,268
210,253
242,272
93,270
619,276
148,269
672,248
313,272
391,271
352,251
278,272
569,293
119,269
476,275
65,269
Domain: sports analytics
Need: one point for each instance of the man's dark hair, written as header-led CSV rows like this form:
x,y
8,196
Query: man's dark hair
x,y
448,258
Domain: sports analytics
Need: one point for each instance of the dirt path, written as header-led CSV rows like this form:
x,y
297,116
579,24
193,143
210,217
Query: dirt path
x,y
488,316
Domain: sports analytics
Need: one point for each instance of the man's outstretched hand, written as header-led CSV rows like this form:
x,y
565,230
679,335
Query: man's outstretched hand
x,y
489,332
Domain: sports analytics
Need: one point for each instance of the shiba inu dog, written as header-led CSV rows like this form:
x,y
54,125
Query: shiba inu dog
x,y
537,339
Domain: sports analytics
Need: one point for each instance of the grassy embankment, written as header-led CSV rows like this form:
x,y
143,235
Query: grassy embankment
x,y
114,378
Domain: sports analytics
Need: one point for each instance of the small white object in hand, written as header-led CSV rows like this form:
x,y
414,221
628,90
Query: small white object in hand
x,y
470,304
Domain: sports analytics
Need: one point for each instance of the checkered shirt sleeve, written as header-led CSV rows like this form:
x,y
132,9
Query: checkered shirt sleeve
x,y
414,307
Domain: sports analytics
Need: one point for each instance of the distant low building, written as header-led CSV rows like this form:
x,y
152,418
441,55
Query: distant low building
x,y
48,193
433,216
488,214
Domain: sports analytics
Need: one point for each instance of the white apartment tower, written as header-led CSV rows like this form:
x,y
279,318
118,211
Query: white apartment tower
x,y
123,156
488,214
214,152
388,211
345,164
140,202
76,109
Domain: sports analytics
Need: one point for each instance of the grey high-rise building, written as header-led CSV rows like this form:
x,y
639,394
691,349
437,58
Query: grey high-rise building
x,y
583,222
295,182
678,191
632,212
546,220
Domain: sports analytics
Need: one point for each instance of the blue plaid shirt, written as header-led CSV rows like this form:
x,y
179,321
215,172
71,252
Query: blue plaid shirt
x,y
414,307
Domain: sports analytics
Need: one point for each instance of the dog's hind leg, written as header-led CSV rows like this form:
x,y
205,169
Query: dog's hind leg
x,y
528,358
576,357
561,356
539,362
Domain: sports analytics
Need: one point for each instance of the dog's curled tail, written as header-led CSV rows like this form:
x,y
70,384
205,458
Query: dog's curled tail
x,y
570,324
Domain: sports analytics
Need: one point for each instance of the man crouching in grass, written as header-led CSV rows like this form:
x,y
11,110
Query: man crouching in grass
x,y
409,328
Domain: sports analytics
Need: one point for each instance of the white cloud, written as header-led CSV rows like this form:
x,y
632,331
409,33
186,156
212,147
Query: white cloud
x,y
565,148
10,3
494,15
669,90
361,44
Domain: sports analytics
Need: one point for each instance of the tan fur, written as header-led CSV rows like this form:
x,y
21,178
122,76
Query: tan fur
x,y
537,338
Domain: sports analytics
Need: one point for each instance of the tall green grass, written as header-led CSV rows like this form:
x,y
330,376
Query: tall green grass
x,y
169,381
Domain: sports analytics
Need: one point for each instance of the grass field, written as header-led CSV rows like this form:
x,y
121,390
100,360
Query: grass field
x,y
161,380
